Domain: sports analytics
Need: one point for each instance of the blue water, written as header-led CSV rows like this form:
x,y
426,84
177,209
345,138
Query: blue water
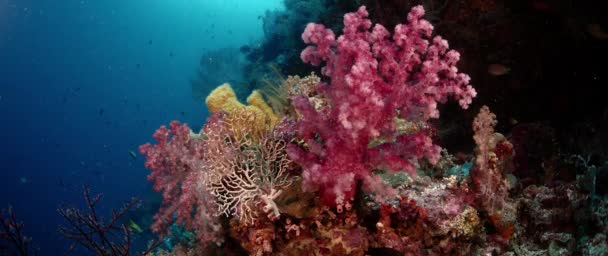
x,y
83,83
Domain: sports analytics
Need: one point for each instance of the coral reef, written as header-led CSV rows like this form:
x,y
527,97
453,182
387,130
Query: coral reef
x,y
244,165
349,162
528,39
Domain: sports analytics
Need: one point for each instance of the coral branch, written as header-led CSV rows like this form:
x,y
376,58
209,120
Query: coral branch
x,y
99,237
242,174
11,232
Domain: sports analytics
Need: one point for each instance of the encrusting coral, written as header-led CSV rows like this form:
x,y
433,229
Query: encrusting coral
x,y
279,93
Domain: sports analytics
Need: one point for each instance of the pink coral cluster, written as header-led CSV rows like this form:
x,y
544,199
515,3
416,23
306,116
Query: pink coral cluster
x,y
173,162
374,79
222,170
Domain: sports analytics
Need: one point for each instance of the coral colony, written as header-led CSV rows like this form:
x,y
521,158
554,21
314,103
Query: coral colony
x,y
343,167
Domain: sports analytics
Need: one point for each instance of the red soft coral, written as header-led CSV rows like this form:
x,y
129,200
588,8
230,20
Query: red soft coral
x,y
374,79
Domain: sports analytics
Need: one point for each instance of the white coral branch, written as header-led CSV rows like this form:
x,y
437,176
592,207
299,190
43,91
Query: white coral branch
x,y
241,176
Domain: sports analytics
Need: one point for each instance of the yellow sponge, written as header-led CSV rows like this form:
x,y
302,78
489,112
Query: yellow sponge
x,y
223,98
258,116
255,99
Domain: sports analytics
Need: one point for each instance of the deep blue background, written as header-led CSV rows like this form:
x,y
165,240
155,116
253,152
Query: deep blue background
x,y
83,83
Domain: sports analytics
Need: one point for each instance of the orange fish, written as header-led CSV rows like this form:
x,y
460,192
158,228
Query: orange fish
x,y
498,69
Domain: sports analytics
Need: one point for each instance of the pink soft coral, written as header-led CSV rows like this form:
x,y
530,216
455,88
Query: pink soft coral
x,y
374,79
488,176
173,162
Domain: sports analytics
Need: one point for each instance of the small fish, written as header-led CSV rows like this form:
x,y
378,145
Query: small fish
x,y
138,65
132,154
134,226
171,54
101,110
498,69
183,113
150,41
23,180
